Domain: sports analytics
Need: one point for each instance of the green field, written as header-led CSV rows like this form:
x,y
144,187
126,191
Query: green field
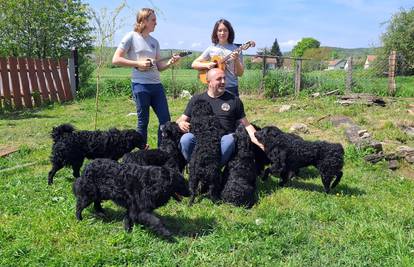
x,y
277,82
366,221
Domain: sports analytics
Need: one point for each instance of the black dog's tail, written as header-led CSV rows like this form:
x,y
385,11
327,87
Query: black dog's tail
x,y
60,130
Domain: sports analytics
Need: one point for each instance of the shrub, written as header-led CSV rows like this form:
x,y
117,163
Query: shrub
x,y
279,83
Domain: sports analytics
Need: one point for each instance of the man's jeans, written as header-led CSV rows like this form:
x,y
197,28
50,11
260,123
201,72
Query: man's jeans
x,y
146,96
188,143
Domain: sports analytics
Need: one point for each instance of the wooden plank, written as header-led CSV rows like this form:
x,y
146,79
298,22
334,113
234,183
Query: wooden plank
x,y
14,75
19,166
65,78
49,80
5,83
27,97
56,78
4,151
33,82
391,73
42,81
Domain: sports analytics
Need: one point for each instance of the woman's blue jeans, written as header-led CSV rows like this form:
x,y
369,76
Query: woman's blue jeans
x,y
188,142
146,96
234,90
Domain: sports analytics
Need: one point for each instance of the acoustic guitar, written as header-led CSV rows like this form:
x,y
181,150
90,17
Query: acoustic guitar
x,y
221,61
153,62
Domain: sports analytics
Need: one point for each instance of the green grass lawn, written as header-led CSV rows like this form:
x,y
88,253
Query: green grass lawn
x,y
368,220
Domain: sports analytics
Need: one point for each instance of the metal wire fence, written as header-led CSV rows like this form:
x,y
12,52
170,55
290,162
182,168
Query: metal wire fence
x,y
278,76
376,75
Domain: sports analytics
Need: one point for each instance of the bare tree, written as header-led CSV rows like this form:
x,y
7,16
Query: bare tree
x,y
106,23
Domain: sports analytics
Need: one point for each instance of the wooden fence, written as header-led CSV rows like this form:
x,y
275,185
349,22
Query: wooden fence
x,y
27,82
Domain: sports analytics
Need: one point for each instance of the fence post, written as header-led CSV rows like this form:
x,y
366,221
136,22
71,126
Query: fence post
x,y
262,85
391,73
348,84
298,70
73,71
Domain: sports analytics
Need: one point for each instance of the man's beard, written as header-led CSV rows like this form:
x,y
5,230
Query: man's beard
x,y
221,89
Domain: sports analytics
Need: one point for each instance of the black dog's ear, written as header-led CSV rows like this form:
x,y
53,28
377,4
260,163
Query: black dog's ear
x,y
273,132
162,127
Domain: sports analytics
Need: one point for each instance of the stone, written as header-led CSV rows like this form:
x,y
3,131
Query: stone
x,y
338,120
299,128
285,108
393,164
185,94
404,151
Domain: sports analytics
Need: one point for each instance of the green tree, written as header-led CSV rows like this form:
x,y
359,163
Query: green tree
x,y
319,57
46,28
305,43
400,37
275,51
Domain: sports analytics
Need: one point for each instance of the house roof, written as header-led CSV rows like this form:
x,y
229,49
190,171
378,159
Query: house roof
x,y
335,62
371,58
260,60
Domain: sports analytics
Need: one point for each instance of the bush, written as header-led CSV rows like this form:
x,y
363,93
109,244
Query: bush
x,y
250,82
174,89
116,87
87,90
279,83
122,87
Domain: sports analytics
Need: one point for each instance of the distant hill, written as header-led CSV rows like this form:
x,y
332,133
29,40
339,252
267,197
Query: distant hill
x,y
356,52
347,52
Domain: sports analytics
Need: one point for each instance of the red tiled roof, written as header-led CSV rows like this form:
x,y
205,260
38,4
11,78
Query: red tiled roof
x,y
371,58
260,60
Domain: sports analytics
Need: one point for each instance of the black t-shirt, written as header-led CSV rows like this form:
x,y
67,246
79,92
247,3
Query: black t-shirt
x,y
227,107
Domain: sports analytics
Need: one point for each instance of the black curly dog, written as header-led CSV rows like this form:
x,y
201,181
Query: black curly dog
x,y
240,174
139,189
71,147
204,165
260,159
288,153
168,154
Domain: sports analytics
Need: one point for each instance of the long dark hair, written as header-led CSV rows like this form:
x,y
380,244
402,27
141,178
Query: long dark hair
x,y
214,38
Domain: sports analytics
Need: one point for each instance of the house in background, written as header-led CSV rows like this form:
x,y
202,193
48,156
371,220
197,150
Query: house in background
x,y
337,64
270,62
368,62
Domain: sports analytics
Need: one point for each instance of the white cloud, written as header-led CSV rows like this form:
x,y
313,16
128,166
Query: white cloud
x,y
288,44
197,44
180,42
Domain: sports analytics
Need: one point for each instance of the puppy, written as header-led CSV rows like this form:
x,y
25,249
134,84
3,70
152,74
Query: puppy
x,y
240,174
139,189
149,157
260,159
168,154
205,160
288,153
71,147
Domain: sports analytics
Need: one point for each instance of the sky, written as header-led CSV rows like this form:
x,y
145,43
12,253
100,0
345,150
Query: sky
x,y
187,25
